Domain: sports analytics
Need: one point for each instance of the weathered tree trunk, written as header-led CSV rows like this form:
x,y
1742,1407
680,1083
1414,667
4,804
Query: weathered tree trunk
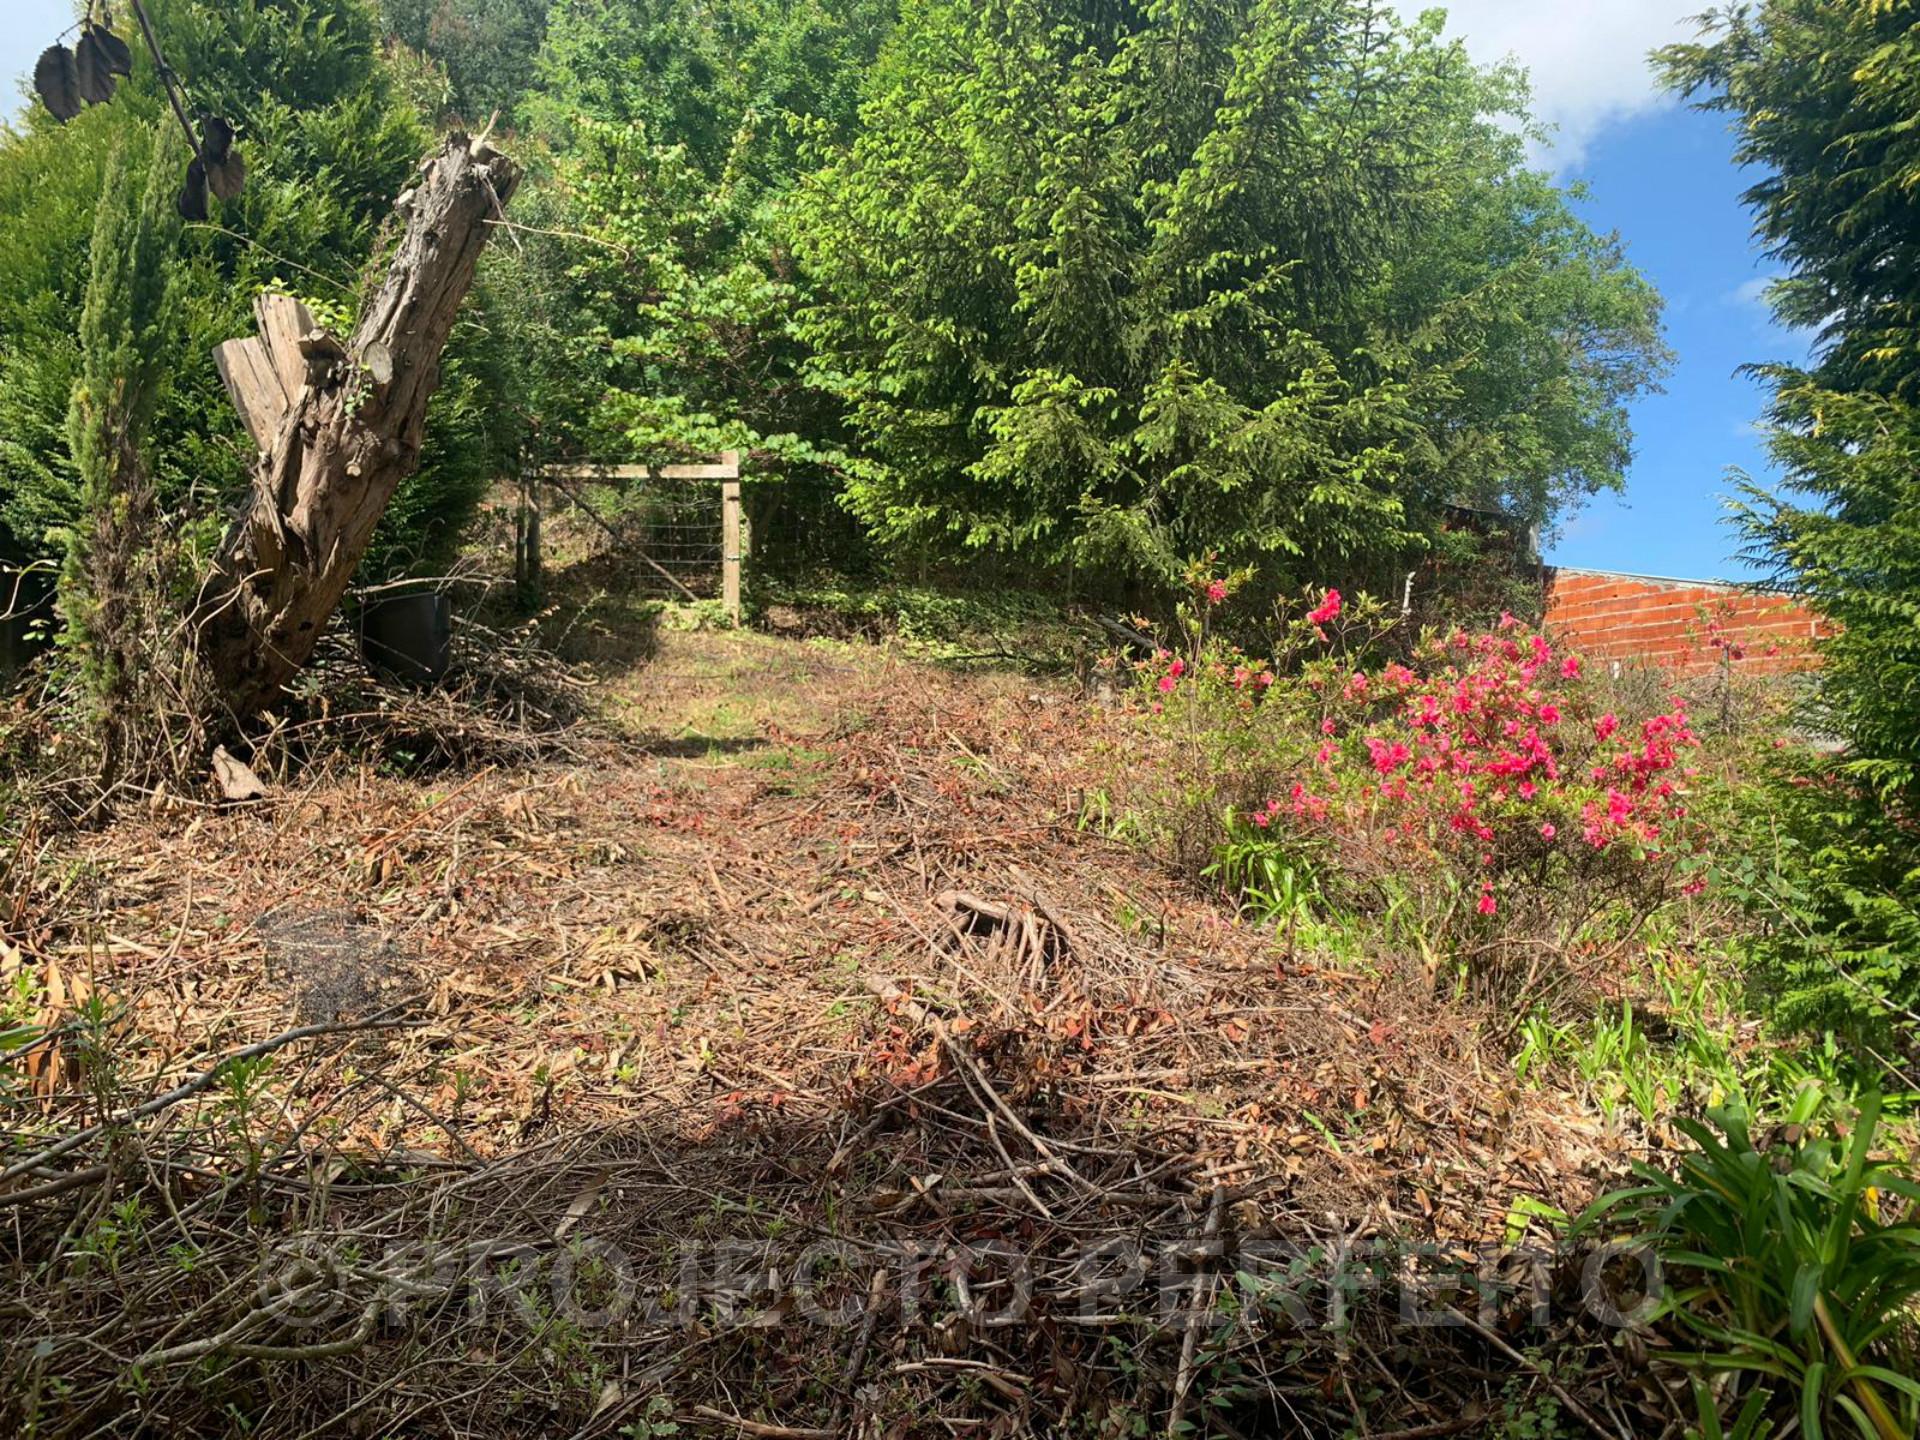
x,y
339,426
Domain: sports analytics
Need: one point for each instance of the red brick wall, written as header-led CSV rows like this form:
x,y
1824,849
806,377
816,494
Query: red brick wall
x,y
1675,622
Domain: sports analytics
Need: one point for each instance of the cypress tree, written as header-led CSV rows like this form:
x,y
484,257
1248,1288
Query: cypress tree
x,y
1822,99
110,590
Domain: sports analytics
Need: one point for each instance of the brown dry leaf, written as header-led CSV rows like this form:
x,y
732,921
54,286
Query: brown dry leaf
x,y
518,807
56,80
610,1396
580,1206
235,778
43,1068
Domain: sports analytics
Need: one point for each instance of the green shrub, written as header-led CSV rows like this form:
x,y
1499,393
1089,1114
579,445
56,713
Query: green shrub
x,y
1481,801
645,309
114,584
1833,881
486,48
1794,1261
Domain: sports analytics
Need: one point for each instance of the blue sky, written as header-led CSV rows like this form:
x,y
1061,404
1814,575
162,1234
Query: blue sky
x,y
1663,178
1666,182
1659,175
29,28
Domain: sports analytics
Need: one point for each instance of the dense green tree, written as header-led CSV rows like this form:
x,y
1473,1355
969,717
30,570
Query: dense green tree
x,y
1822,97
1124,281
111,592
659,64
486,48
699,75
667,293
328,144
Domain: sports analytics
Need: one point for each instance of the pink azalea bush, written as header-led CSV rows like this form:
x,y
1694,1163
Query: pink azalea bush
x,y
1481,780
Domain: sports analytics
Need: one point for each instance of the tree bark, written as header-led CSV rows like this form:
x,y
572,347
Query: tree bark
x,y
339,433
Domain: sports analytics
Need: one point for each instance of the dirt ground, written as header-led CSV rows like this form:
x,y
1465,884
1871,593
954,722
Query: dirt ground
x,y
807,939
699,909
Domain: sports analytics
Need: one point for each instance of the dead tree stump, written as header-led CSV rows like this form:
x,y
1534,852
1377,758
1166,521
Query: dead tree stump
x,y
339,426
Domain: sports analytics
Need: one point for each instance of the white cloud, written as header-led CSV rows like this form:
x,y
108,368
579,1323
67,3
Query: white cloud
x,y
1752,297
1587,58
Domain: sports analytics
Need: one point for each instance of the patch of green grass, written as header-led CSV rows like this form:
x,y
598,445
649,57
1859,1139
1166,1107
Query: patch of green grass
x,y
1101,814
1023,628
789,769
1685,1045
694,615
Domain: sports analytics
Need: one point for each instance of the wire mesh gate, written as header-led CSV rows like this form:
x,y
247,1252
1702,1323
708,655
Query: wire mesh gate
x,y
681,523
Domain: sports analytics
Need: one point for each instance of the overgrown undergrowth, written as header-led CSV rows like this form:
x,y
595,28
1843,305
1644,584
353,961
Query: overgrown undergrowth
x,y
838,1042
1576,855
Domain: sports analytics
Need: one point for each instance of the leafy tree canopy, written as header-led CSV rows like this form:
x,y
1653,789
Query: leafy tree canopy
x,y
1124,281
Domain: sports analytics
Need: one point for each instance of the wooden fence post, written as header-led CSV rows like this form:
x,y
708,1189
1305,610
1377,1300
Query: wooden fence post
x,y
731,538
526,537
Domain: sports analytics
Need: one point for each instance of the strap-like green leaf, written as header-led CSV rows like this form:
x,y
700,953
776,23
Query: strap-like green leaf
x,y
1811,1399
1806,1289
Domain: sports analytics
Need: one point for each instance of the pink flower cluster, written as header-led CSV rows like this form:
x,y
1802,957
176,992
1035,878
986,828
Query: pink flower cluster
x,y
1299,804
1482,760
1165,672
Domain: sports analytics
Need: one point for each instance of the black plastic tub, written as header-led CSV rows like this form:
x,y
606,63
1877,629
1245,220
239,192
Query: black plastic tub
x,y
26,618
408,636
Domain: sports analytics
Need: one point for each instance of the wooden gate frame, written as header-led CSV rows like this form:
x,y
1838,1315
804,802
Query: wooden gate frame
x,y
725,468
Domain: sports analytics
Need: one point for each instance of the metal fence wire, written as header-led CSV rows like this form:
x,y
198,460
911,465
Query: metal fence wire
x,y
800,529
672,533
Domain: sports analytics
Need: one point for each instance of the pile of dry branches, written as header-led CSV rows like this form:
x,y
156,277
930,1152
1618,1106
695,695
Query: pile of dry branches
x,y
507,698
860,1089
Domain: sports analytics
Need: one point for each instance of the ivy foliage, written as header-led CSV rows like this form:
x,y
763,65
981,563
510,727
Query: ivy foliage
x,y
1822,99
1119,282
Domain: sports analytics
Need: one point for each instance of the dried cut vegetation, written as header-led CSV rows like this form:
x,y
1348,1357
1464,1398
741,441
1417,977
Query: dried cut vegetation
x,y
815,975
767,1036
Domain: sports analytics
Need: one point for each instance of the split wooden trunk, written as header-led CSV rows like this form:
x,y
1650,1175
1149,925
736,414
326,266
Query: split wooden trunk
x,y
339,425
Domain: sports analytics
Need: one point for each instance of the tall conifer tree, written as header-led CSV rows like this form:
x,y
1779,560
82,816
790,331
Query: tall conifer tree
x,y
1823,98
